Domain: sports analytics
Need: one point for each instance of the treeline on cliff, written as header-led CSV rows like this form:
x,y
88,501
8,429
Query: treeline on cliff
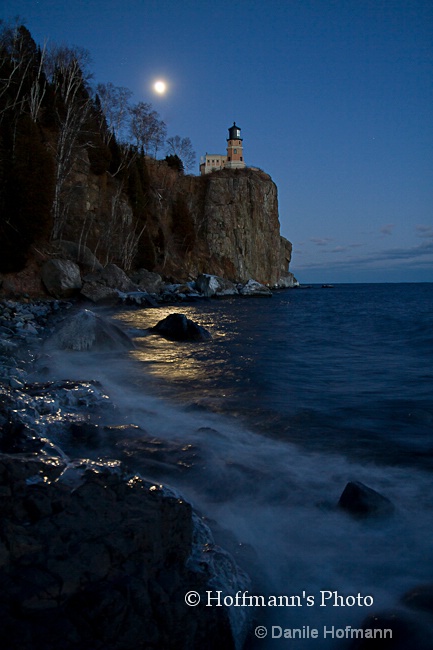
x,y
55,130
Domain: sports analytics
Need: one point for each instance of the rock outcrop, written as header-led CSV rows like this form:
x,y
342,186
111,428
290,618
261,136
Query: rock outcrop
x,y
91,557
241,227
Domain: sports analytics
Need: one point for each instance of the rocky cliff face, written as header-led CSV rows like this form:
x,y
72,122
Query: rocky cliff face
x,y
236,231
241,228
224,224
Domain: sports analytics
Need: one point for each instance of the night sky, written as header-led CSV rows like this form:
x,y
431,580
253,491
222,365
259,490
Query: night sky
x,y
334,99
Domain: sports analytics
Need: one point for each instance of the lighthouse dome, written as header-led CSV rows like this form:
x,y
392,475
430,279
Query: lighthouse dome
x,y
234,132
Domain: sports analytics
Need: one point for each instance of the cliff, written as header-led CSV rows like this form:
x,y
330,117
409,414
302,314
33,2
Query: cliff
x,y
180,226
224,223
240,227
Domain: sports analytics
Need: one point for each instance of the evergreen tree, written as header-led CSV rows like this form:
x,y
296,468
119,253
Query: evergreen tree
x,y
27,196
175,162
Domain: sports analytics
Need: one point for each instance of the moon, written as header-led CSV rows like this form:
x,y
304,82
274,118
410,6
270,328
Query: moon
x,y
160,87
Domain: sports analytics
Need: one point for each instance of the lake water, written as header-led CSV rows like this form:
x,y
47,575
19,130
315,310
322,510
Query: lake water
x,y
262,427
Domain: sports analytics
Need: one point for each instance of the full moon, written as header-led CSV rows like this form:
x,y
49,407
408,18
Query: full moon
x,y
160,87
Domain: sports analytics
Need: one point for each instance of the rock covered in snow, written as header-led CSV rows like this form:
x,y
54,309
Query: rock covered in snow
x,y
213,285
287,281
254,288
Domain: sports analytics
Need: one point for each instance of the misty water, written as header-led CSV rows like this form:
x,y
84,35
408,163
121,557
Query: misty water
x,y
262,427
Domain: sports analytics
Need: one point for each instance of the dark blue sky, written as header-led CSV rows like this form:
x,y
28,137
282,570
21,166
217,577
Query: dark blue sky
x,y
334,98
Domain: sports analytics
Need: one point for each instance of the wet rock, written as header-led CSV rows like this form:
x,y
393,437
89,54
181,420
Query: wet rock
x,y
139,298
254,288
420,598
177,327
102,559
361,500
61,278
212,285
87,331
185,292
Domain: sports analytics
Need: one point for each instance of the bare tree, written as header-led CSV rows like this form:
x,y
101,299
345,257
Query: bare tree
x,y
66,68
148,130
182,147
115,107
22,81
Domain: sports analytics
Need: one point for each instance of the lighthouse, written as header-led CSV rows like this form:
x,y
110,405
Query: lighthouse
x,y
235,156
213,162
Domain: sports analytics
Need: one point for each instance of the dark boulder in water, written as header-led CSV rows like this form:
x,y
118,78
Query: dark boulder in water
x,y
393,630
420,598
177,327
361,500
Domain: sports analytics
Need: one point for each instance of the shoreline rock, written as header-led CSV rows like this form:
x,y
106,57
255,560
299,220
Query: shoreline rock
x,y
91,554
177,327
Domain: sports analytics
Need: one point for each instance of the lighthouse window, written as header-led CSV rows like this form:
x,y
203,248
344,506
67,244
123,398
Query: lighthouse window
x,y
235,150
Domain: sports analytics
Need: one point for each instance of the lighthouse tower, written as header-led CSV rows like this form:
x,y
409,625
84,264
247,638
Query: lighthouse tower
x,y
235,156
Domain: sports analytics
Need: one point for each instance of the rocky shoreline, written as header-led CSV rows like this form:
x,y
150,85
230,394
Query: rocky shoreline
x,y
91,553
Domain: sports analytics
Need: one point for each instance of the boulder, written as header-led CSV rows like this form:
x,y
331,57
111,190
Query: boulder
x,y
99,293
105,285
94,557
61,278
148,281
87,331
213,285
81,255
361,500
113,277
420,598
254,288
177,327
